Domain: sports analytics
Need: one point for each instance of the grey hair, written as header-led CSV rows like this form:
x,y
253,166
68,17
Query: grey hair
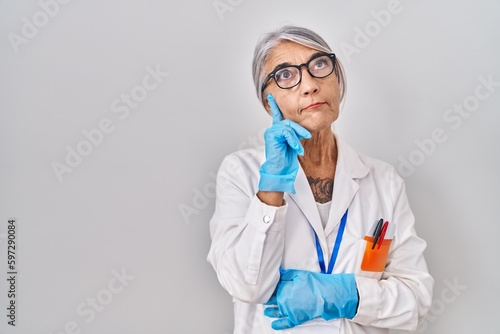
x,y
295,34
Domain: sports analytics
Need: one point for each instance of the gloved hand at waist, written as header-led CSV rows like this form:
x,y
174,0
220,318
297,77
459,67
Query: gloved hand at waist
x,y
303,295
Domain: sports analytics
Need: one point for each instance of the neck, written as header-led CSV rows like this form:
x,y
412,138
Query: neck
x,y
321,149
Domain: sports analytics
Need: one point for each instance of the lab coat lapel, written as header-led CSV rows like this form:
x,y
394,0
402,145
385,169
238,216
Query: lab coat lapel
x,y
304,199
345,188
349,168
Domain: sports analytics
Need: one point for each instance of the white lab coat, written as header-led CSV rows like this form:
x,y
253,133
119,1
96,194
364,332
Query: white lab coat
x,y
251,240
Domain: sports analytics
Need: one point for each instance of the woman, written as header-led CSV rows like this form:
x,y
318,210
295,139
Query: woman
x,y
307,233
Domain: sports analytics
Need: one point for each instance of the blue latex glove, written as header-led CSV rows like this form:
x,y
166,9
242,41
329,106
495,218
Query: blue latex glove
x,y
304,295
282,145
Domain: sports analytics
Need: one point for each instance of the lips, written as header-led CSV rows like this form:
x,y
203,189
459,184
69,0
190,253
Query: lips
x,y
314,105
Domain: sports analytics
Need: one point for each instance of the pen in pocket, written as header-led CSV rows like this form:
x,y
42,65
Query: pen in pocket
x,y
375,258
377,231
382,234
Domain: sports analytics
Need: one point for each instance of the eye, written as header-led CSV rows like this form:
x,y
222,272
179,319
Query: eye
x,y
320,63
321,67
284,74
287,77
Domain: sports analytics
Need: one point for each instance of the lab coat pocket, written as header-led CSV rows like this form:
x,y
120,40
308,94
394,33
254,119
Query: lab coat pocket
x,y
375,255
360,249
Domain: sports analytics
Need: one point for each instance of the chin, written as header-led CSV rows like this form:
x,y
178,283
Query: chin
x,y
317,125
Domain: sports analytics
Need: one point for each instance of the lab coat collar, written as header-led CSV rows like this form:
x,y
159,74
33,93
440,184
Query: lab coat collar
x,y
349,168
349,161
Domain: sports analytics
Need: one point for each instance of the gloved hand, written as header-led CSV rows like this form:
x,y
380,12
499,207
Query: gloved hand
x,y
282,145
303,295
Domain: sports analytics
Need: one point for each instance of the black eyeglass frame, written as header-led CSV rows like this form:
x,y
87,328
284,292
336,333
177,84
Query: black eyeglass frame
x,y
299,67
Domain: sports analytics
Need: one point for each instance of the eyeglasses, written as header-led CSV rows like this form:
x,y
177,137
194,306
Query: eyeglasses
x,y
288,76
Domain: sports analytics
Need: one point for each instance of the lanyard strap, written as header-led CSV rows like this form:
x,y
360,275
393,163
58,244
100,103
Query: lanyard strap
x,y
336,247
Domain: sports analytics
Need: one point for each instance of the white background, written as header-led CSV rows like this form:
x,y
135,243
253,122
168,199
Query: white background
x,y
120,207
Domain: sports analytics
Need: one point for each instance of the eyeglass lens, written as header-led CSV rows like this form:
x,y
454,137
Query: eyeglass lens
x,y
290,76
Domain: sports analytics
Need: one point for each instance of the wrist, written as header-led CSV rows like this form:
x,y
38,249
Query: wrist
x,y
277,183
274,198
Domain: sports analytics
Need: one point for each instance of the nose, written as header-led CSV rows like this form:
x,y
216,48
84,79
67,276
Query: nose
x,y
308,84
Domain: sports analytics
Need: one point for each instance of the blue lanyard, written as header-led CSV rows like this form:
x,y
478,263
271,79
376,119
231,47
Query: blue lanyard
x,y
336,247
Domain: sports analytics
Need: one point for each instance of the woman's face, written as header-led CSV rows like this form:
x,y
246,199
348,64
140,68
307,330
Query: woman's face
x,y
314,102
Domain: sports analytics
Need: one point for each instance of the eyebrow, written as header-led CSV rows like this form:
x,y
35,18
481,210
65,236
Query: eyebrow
x,y
286,64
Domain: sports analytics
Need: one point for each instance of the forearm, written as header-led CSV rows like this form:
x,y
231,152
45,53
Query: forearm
x,y
247,253
396,303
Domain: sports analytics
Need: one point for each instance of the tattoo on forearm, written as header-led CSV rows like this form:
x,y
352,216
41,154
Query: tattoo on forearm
x,y
322,189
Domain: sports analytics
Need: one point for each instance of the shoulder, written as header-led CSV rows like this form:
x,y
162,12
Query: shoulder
x,y
373,174
378,166
240,169
248,158
363,165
